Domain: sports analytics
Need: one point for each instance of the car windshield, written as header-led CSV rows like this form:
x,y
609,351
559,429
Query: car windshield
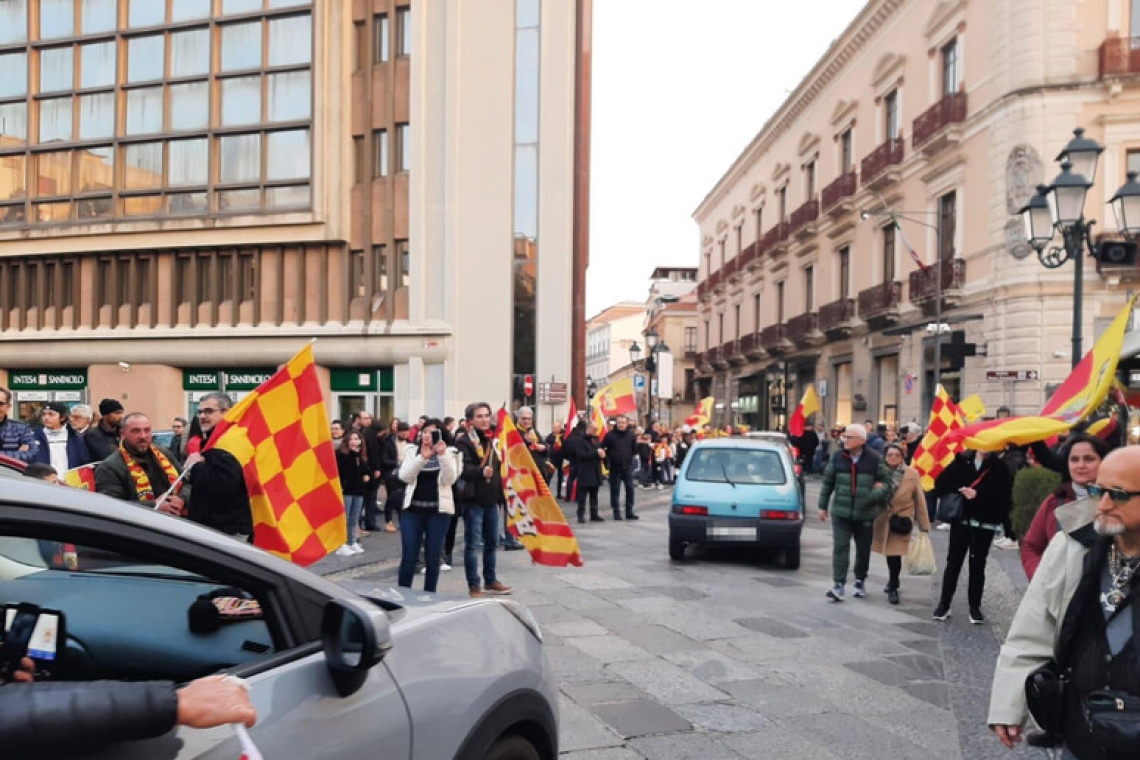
x,y
744,466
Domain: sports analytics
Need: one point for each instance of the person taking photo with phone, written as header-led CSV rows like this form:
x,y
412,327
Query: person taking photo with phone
x,y
429,469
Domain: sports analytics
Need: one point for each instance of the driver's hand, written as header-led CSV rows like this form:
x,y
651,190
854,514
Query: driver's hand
x,y
26,672
214,701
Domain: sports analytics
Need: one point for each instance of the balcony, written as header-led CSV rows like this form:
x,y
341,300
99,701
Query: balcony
x,y
924,285
703,363
733,353
879,305
1120,56
750,346
802,223
719,357
746,256
774,339
940,125
803,330
837,319
837,197
875,165
775,240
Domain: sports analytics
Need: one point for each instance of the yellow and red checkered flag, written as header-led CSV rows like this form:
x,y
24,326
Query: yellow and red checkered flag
x,y
532,513
702,414
82,477
935,451
280,434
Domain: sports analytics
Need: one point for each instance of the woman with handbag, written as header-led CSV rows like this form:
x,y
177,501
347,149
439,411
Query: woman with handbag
x,y
974,494
892,529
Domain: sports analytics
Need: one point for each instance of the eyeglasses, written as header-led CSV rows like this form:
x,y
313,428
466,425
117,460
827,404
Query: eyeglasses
x,y
208,411
4,403
1118,495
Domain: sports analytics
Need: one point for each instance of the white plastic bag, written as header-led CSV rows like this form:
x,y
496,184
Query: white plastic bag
x,y
920,556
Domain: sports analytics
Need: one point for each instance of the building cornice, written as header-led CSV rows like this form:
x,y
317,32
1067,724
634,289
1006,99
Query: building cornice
x,y
854,38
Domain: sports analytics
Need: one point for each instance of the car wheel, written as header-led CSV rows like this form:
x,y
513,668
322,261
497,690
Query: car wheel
x,y
792,558
676,549
513,747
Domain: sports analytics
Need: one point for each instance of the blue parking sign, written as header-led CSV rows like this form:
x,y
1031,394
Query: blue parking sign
x,y
639,382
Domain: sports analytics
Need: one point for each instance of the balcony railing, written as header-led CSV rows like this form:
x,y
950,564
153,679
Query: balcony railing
x,y
844,187
774,338
950,110
719,357
924,285
803,329
836,318
1119,56
880,301
732,352
890,153
750,346
703,362
803,216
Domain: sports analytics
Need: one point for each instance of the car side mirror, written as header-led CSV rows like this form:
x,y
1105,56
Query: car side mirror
x,y
355,638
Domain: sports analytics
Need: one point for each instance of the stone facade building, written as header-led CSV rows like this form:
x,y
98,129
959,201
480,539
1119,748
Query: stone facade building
x,y
949,114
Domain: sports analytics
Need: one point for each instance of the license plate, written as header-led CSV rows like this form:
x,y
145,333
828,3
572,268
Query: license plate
x,y
731,533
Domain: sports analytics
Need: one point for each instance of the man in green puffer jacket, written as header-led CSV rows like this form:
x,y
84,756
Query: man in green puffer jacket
x,y
861,484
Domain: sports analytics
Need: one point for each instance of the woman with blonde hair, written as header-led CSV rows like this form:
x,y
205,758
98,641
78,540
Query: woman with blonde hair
x,y
892,529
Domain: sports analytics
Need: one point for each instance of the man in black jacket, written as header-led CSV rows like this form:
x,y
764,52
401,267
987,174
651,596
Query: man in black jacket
x,y
88,714
620,446
103,439
218,495
479,499
370,515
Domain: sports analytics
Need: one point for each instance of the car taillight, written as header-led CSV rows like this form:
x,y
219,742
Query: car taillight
x,y
683,509
795,452
778,514
799,469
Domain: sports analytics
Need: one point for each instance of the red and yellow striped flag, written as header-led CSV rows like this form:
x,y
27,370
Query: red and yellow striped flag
x,y
935,451
81,477
532,513
702,414
809,405
280,434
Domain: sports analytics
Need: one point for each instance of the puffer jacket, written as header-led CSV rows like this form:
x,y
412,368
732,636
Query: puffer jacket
x,y
853,485
449,467
13,435
44,719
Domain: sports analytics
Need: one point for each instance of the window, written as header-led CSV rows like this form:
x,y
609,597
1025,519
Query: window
x,y
380,153
403,31
759,213
359,160
381,38
403,148
1133,159
247,276
809,180
106,270
720,328
756,312
780,302
947,216
31,285
889,253
844,273
1134,17
950,69
690,339
723,256
736,320
891,115
738,465
226,276
184,269
380,269
357,285
739,238
359,45
403,263
67,285
708,335
141,290
846,157
809,289
782,196
203,264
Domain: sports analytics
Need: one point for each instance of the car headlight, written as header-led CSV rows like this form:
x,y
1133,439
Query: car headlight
x,y
524,616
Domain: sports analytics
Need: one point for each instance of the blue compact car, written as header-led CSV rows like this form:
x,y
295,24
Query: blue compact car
x,y
738,491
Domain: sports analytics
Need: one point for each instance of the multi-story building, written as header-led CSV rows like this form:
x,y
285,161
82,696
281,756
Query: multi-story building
x,y
949,114
191,189
609,336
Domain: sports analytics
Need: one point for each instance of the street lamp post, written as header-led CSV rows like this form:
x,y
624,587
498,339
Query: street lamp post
x,y
1060,208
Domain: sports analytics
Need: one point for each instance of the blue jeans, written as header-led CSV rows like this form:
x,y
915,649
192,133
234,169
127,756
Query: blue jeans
x,y
480,531
617,477
352,507
415,526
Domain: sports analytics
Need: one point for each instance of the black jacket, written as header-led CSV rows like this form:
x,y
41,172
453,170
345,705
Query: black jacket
x,y
112,478
101,442
995,490
372,445
218,495
589,465
620,446
487,492
46,719
539,457
555,445
352,468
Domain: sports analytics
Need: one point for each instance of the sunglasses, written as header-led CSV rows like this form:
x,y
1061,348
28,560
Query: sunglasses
x,y
1118,495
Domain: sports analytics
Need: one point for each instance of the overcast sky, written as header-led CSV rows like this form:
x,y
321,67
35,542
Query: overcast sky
x,y
680,89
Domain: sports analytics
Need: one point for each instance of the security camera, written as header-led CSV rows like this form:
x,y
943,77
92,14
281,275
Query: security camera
x,y
124,366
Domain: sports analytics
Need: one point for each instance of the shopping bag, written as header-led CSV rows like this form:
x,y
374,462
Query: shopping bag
x,y
920,557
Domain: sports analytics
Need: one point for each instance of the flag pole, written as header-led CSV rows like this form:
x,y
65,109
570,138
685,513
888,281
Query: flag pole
x,y
170,491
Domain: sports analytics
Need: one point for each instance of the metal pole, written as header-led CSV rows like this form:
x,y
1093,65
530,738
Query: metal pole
x,y
937,328
1074,242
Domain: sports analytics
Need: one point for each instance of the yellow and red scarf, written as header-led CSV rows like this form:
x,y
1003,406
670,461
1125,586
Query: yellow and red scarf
x,y
142,483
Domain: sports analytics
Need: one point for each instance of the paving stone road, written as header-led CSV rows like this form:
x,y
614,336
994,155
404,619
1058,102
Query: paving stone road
x,y
728,655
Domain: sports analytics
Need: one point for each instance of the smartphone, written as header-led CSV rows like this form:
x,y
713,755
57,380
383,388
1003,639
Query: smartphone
x,y
30,631
436,436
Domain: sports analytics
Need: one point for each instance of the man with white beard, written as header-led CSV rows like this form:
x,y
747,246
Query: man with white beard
x,y
1074,635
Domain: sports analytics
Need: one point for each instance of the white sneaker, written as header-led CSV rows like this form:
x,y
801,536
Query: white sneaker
x,y
422,571
942,526
1005,543
344,551
357,549
444,566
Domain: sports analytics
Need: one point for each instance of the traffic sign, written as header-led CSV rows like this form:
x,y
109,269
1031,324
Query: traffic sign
x,y
1011,374
639,382
528,385
553,393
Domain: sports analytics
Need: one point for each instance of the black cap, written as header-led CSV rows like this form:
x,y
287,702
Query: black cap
x,y
109,406
58,407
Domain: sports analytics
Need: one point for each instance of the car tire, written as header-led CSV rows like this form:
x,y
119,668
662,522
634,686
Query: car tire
x,y
676,549
512,747
792,558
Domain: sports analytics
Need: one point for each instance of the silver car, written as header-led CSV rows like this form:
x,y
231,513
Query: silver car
x,y
333,674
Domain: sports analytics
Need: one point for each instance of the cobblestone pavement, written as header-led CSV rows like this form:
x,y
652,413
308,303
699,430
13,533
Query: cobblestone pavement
x,y
729,655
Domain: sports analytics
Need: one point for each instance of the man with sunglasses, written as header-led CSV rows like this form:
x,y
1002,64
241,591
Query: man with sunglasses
x,y
16,438
1081,613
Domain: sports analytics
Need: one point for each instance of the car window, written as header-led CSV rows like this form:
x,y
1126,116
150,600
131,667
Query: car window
x,y
129,617
750,466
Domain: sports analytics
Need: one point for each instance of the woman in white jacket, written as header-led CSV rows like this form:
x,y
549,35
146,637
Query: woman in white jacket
x,y
430,468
